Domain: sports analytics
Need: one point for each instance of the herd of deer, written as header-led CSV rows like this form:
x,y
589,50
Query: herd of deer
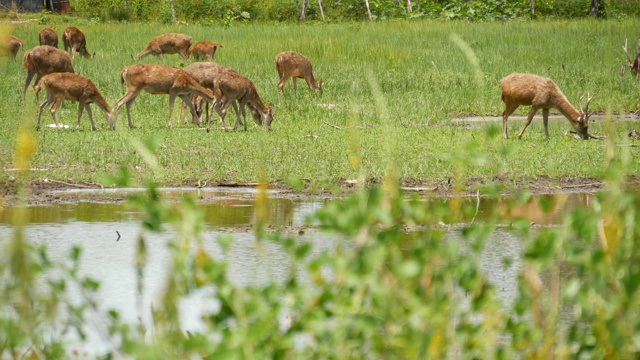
x,y
205,84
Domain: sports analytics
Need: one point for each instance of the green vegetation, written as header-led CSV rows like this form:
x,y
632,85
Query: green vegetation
x,y
422,77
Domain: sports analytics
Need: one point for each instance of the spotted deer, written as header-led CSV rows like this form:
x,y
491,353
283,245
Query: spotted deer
x,y
69,86
160,79
167,44
635,64
293,65
541,93
74,40
230,87
42,60
204,50
48,36
10,46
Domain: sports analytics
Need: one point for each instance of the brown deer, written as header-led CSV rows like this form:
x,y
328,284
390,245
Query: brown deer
x,y
293,65
204,50
42,60
167,44
74,40
160,79
69,86
540,93
231,87
206,73
635,64
10,46
49,37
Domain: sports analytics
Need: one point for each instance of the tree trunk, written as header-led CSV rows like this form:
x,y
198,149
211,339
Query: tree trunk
x,y
173,11
126,5
533,8
595,4
303,11
366,2
321,9
409,8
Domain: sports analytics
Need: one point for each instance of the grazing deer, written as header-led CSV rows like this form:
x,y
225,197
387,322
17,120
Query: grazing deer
x,y
74,40
69,86
206,73
293,65
10,46
49,37
167,44
204,50
231,87
160,79
540,93
42,60
635,64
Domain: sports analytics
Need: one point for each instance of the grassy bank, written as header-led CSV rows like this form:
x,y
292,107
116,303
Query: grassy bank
x,y
390,91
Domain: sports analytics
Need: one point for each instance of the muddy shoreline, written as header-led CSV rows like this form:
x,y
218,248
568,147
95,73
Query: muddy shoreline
x,y
42,193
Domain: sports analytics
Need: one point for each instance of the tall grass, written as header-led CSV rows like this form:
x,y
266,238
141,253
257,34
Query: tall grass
x,y
423,75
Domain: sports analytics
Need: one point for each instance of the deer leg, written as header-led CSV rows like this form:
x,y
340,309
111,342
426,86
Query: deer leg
x,y
223,111
26,85
73,52
238,114
545,119
532,112
54,109
510,108
172,101
127,100
295,84
80,109
43,106
283,80
93,125
194,114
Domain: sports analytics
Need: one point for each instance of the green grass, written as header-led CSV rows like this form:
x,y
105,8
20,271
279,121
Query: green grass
x,y
424,80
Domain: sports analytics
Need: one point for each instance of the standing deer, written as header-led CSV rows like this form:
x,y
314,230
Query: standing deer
x,y
293,65
540,93
10,46
231,87
204,50
42,60
160,79
74,40
635,64
49,37
69,86
167,44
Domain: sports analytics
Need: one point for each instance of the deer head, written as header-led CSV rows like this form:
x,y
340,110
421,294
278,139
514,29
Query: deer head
x,y
582,129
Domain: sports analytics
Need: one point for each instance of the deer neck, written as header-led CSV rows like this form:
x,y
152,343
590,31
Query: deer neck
x,y
568,110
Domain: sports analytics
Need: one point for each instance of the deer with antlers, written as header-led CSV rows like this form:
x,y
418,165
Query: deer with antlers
x,y
49,37
160,79
293,65
74,40
635,64
69,86
167,44
231,87
42,60
204,50
541,93
10,46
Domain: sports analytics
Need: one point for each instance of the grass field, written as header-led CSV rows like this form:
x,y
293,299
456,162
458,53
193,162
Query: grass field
x,y
390,92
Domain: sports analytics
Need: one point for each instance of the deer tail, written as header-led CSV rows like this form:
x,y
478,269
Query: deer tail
x,y
123,75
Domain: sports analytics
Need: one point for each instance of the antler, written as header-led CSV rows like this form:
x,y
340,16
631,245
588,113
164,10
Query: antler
x,y
589,98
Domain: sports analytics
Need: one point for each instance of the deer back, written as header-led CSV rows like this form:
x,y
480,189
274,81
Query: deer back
x,y
74,38
48,36
171,43
11,45
46,59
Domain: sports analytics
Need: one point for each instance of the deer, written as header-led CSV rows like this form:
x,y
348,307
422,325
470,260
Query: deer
x,y
167,44
293,65
635,64
206,73
10,46
69,86
204,50
74,40
160,79
42,60
231,87
541,93
49,37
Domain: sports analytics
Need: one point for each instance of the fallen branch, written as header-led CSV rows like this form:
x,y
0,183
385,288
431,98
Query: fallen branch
x,y
69,184
580,185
